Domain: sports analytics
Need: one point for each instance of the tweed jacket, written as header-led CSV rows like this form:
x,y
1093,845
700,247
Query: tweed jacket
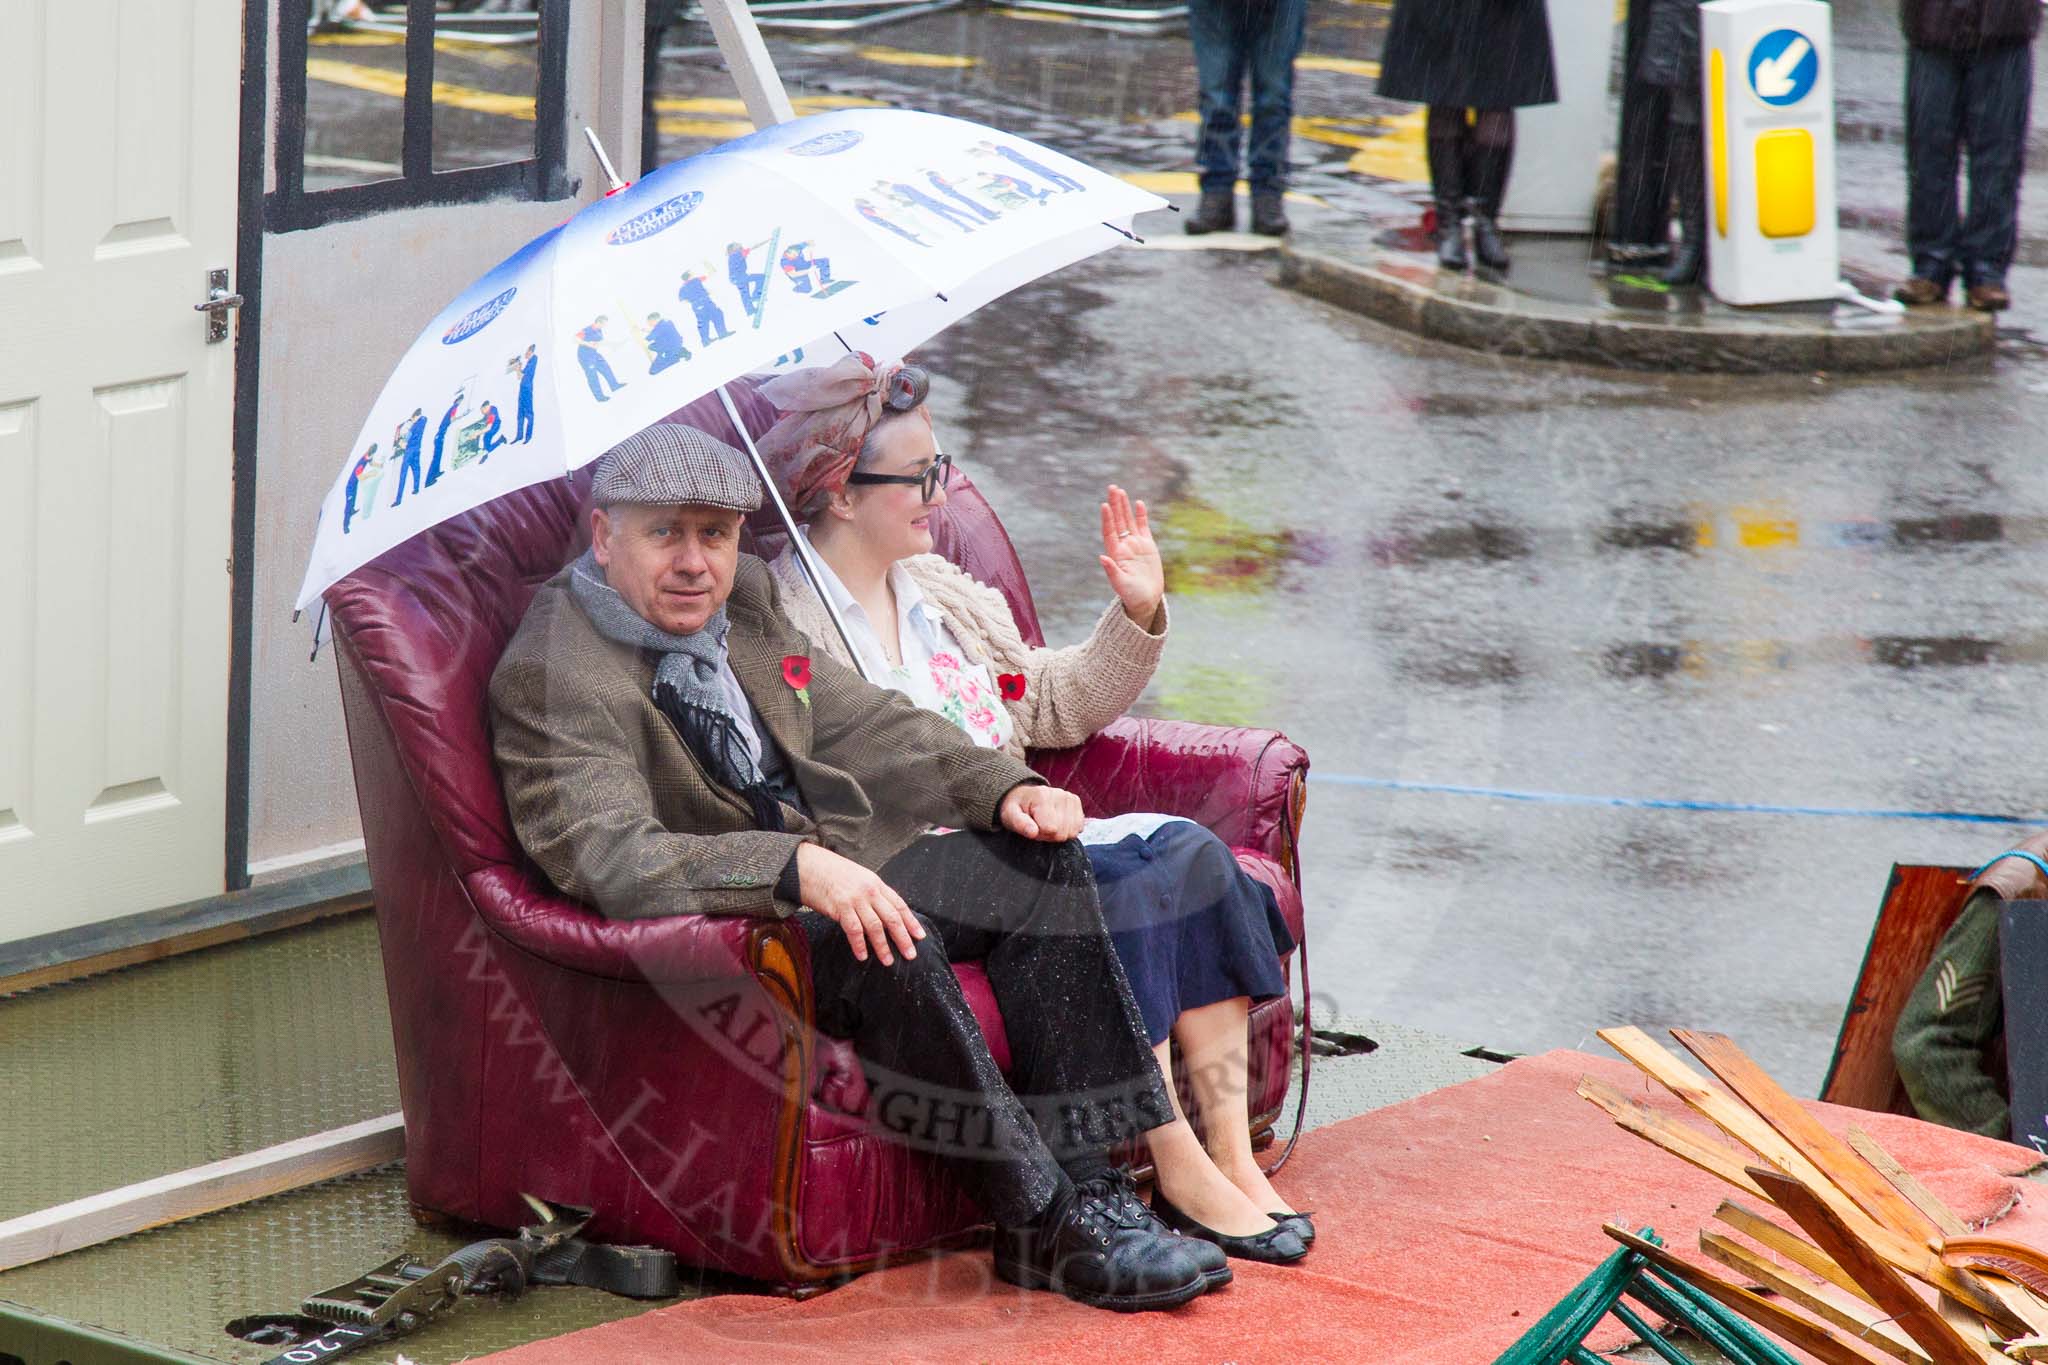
x,y
617,811
1069,693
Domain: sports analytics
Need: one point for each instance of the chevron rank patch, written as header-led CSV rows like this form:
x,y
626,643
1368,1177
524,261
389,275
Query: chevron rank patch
x,y
1953,991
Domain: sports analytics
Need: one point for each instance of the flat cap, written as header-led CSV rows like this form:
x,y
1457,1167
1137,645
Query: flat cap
x,y
669,463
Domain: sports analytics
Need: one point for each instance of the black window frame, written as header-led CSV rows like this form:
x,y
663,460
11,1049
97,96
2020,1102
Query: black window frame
x,y
290,207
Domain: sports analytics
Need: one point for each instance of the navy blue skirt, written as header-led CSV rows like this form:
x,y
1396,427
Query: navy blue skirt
x,y
1191,927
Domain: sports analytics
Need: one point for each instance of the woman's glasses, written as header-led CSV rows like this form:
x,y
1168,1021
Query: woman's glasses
x,y
937,475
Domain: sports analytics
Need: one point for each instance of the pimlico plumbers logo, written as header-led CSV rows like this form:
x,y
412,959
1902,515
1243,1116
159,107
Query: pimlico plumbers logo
x,y
657,219
478,318
826,144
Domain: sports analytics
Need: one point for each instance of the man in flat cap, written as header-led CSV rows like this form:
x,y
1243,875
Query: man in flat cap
x,y
670,744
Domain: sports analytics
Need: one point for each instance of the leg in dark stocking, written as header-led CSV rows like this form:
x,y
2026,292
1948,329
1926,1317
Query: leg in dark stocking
x,y
1688,175
1447,133
1492,156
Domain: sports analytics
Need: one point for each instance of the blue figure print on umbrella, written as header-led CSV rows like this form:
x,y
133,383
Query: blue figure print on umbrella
x,y
951,190
696,291
363,478
526,367
866,209
441,439
1051,177
664,344
751,283
800,264
909,196
1013,193
595,368
407,444
494,430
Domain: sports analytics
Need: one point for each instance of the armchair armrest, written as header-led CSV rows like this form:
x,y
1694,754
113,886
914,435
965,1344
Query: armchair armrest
x,y
1246,786
534,918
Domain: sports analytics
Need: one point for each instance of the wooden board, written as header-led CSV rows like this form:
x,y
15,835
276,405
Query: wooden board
x,y
1824,1301
1915,1316
1696,1149
1813,1337
2023,974
1790,1245
1903,1180
1842,1164
1920,903
202,1189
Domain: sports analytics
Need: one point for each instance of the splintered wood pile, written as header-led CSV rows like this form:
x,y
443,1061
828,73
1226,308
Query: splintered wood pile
x,y
1872,1269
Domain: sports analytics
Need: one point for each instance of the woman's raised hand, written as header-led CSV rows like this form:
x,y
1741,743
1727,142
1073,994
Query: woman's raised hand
x,y
1130,559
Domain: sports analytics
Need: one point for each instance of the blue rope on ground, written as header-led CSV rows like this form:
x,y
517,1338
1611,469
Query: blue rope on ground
x,y
1660,803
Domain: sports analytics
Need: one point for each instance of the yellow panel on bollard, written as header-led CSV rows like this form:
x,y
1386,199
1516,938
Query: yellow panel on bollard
x,y
1768,73
1784,183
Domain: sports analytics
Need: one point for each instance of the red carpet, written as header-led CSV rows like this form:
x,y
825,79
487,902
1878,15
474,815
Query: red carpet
x,y
1445,1225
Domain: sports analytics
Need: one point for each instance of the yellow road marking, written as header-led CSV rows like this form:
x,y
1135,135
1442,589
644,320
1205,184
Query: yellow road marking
x,y
725,104
1401,153
896,56
378,81
1186,182
1349,66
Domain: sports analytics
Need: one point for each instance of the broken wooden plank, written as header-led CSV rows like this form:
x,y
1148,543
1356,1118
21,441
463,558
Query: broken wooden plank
x,y
1824,1301
1915,1316
1788,1244
1659,1130
1815,1338
1903,1180
202,1189
1732,1117
1836,1159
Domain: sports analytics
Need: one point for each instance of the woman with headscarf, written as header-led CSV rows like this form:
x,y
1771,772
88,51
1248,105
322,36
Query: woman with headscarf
x,y
1473,62
854,457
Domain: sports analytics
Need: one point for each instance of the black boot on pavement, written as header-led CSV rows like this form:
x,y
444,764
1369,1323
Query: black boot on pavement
x,y
1217,213
1688,172
1269,219
1486,242
1098,1246
1450,237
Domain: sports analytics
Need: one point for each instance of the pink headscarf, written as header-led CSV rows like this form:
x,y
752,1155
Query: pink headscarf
x,y
827,411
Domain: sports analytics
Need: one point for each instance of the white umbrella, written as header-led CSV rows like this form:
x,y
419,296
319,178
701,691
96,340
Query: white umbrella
x,y
868,224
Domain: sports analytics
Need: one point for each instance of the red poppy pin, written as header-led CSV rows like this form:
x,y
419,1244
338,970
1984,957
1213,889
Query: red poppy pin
x,y
796,671
1011,685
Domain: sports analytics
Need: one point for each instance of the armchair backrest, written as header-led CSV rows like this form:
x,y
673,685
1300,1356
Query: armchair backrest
x,y
427,621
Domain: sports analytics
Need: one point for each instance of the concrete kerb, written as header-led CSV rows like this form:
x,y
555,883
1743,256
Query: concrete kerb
x,y
1405,291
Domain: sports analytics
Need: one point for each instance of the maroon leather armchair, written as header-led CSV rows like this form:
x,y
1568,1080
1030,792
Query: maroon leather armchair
x,y
665,1071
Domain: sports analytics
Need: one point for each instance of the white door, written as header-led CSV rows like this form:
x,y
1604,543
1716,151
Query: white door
x,y
118,137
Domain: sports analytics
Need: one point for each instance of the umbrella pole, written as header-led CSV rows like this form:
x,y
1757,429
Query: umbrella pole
x,y
805,557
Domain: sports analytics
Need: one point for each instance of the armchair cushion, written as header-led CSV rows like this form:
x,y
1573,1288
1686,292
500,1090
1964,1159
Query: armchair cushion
x,y
1238,782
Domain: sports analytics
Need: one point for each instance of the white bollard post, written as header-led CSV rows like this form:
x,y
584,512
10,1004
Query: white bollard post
x,y
1769,123
1557,146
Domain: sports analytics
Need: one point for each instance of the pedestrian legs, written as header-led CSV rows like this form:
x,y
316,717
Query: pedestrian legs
x,y
1490,155
1275,41
1217,28
1446,134
1997,94
1934,125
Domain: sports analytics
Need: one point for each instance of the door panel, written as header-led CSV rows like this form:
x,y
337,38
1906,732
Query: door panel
x,y
118,147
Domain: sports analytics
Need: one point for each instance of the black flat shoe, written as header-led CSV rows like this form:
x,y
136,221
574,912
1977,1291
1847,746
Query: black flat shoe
x,y
1277,1245
1303,1229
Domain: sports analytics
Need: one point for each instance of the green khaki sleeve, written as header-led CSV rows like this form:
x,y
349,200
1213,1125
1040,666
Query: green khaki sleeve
x,y
1946,1033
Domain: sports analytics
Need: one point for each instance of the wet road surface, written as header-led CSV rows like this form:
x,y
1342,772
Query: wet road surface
x,y
1438,569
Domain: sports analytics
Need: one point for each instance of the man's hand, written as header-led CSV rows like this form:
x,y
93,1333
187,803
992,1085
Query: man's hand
x,y
858,901
1044,813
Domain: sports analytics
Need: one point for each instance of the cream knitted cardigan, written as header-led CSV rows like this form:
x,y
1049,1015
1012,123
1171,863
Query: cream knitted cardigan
x,y
1069,693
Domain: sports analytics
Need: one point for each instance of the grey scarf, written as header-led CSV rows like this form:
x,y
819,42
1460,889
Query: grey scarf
x,y
688,690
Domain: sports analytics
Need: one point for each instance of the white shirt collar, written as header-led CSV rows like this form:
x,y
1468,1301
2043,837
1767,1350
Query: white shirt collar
x,y
913,611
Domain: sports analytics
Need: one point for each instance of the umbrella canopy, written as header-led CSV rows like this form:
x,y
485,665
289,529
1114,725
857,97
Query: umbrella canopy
x,y
870,225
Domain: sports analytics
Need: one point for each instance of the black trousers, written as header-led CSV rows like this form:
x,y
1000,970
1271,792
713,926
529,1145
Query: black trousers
x,y
1082,1077
1955,100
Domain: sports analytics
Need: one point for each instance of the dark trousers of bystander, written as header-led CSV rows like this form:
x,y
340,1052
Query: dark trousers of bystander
x,y
1082,1077
1957,100
1234,39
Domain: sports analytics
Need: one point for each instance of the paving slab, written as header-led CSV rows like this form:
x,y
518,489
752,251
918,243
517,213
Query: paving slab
x,y
1559,302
